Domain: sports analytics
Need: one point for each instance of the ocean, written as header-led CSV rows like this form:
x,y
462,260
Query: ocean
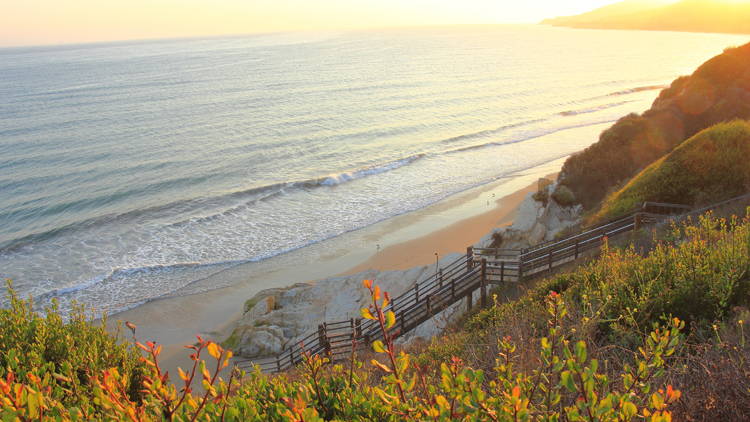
x,y
130,170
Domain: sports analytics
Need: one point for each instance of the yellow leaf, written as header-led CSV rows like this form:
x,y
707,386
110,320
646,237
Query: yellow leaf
x,y
381,366
390,319
367,283
213,350
385,397
182,373
377,345
365,312
376,293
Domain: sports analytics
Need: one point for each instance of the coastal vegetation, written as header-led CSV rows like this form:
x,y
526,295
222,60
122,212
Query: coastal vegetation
x,y
707,168
718,91
687,15
630,336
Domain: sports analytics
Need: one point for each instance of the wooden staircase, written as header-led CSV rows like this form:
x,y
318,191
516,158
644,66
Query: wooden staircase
x,y
458,281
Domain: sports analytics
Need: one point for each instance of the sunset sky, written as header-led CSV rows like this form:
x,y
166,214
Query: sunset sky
x,y
36,22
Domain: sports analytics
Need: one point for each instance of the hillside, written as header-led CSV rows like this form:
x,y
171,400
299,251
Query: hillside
x,y
709,167
721,16
719,90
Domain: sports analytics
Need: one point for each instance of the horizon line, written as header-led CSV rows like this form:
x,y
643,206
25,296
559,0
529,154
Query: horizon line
x,y
260,33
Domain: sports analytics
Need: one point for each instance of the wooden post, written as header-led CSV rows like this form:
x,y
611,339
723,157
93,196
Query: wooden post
x,y
358,328
278,364
637,222
483,284
440,278
323,338
416,292
502,271
520,270
550,260
429,306
291,355
469,258
468,301
321,334
576,252
403,322
453,289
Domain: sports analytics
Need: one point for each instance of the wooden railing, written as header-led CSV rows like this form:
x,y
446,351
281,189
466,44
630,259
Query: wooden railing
x,y
458,281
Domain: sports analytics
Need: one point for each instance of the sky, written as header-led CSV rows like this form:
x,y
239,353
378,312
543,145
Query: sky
x,y
41,22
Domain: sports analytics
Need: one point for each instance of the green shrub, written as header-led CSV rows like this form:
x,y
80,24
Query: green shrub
x,y
38,346
699,275
542,190
564,196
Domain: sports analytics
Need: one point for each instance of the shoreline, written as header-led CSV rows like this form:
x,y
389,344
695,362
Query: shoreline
x,y
408,241
443,241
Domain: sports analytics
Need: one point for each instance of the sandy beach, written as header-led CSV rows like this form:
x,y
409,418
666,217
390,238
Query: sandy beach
x,y
453,238
406,241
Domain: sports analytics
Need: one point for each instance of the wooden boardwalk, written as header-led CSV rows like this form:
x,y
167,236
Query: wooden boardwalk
x,y
458,281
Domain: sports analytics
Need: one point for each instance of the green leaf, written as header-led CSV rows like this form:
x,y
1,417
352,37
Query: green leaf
x,y
580,349
566,379
629,410
33,402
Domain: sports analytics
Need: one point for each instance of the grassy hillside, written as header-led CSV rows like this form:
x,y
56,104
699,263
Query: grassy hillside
x,y
627,337
709,167
686,15
697,272
719,90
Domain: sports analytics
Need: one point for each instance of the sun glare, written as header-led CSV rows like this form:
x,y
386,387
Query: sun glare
x,y
55,22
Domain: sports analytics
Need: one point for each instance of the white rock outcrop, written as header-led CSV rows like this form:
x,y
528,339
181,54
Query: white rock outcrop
x,y
276,318
535,222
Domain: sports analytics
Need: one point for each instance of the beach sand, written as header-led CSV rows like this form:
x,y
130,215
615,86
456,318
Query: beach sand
x,y
406,241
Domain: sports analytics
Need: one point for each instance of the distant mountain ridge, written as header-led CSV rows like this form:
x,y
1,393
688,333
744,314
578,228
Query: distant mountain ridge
x,y
723,16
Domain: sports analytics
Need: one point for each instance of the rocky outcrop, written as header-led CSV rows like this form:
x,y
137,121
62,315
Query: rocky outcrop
x,y
276,318
539,218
